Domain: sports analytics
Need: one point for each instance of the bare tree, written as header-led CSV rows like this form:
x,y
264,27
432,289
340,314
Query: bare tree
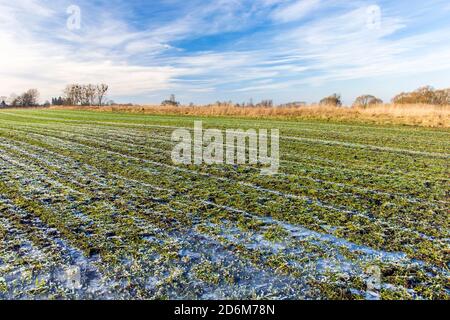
x,y
171,102
76,94
333,100
102,89
442,97
28,99
424,95
265,104
12,100
91,92
84,99
88,94
366,101
71,95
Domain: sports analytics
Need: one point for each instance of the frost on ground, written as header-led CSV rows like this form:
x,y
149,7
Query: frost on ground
x,y
91,207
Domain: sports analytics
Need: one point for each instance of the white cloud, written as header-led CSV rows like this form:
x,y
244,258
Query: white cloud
x,y
343,47
295,11
39,52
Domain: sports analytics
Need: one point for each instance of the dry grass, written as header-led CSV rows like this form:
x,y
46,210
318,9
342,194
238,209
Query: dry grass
x,y
416,115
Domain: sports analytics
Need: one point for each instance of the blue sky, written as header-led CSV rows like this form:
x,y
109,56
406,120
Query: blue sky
x,y
204,51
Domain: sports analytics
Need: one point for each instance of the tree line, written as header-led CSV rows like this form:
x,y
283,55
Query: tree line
x,y
85,95
29,98
74,94
95,95
424,95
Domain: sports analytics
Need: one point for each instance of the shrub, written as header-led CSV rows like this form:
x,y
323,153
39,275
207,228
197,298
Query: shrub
x,y
172,102
27,99
366,101
424,95
333,100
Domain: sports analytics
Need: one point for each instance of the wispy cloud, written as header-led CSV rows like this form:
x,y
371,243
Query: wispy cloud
x,y
296,10
219,49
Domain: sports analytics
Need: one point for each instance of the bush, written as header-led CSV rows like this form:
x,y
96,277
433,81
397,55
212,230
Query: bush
x,y
424,95
85,95
366,101
334,100
172,102
27,99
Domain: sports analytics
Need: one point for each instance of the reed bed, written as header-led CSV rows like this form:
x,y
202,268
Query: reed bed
x,y
415,115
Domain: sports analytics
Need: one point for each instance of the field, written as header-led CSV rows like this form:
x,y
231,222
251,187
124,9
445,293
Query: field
x,y
411,114
99,191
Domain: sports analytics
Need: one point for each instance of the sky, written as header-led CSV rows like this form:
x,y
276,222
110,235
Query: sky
x,y
219,50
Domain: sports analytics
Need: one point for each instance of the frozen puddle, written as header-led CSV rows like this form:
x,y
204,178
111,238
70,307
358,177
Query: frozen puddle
x,y
245,279
301,233
64,267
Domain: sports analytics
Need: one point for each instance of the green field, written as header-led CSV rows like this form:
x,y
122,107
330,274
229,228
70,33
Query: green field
x,y
99,191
